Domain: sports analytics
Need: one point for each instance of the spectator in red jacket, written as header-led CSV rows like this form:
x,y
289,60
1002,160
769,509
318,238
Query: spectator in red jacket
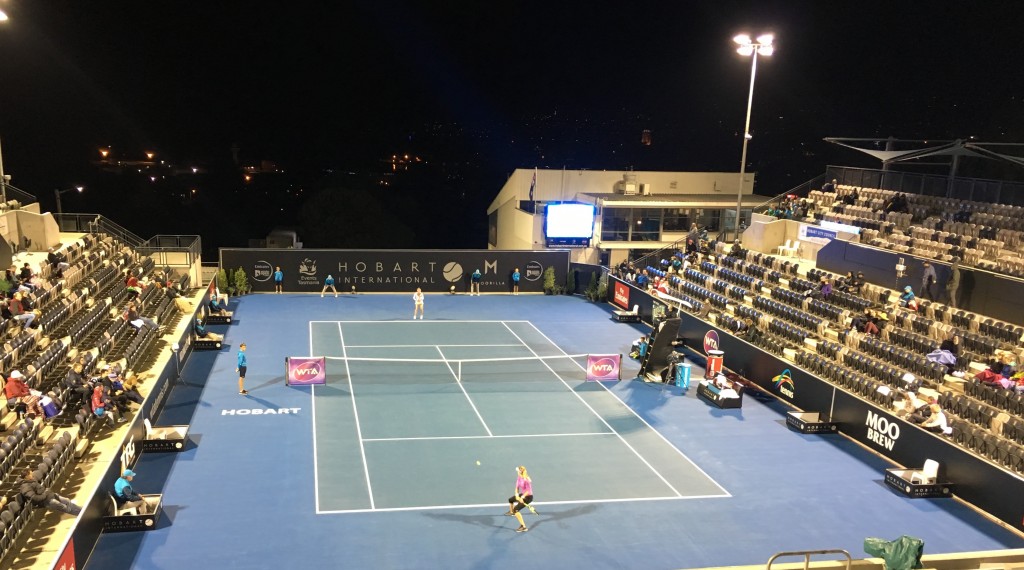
x,y
18,391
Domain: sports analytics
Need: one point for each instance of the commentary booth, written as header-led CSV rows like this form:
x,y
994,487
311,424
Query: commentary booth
x,y
978,481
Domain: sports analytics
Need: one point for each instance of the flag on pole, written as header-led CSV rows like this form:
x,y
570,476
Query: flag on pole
x,y
533,184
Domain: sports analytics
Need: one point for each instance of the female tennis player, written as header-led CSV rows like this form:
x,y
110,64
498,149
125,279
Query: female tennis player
x,y
417,304
523,496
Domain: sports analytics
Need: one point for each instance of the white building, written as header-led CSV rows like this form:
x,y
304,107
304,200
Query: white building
x,y
635,210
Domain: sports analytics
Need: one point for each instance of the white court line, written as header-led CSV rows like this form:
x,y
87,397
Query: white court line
x,y
536,504
409,320
679,451
427,345
599,416
355,411
440,437
312,405
463,388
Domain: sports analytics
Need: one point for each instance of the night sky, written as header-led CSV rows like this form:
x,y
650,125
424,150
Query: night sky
x,y
478,90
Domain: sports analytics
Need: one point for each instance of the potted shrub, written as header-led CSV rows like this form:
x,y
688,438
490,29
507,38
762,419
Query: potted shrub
x,y
549,280
241,281
223,283
591,291
570,283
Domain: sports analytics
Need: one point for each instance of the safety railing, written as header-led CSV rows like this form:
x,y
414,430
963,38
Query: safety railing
x,y
807,556
800,191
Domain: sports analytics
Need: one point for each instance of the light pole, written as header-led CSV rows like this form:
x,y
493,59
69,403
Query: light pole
x,y
762,46
3,178
57,193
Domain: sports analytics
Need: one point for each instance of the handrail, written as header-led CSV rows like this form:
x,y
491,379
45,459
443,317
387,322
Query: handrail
x,y
802,190
807,556
12,192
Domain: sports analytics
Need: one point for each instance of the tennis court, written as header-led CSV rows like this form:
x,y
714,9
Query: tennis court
x,y
411,407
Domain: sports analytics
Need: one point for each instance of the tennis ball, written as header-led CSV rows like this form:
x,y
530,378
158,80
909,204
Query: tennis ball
x,y
452,271
478,463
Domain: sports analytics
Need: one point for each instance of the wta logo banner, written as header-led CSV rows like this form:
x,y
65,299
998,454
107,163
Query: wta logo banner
x,y
784,384
603,366
305,371
711,341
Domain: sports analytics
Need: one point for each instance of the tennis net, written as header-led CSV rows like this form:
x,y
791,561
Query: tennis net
x,y
567,367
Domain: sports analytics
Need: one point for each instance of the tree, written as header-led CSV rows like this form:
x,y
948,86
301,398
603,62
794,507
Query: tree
x,y
222,280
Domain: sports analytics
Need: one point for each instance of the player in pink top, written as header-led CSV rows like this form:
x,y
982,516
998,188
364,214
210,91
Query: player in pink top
x,y
523,496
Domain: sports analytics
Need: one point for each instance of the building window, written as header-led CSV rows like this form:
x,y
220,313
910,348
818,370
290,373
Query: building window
x,y
709,219
646,224
615,224
677,220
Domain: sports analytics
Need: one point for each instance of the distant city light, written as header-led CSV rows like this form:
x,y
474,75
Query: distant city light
x,y
194,170
104,152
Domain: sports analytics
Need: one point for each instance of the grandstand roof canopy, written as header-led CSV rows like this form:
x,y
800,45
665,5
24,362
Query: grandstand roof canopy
x,y
925,148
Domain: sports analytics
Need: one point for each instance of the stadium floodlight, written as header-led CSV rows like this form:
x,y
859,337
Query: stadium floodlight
x,y
763,46
3,16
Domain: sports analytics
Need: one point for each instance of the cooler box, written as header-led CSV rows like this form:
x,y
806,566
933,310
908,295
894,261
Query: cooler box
x,y
683,375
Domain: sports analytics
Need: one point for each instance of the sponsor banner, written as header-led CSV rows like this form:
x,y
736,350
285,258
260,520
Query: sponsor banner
x,y
306,371
603,366
621,297
815,233
783,383
387,271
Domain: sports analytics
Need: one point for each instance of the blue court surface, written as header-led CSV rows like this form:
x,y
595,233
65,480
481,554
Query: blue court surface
x,y
378,469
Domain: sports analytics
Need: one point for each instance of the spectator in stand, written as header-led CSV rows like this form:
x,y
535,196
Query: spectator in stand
x,y
825,289
18,312
857,284
134,289
642,279
843,283
17,390
131,314
829,187
922,409
125,496
77,384
200,329
25,276
171,290
737,249
908,299
37,494
954,282
952,344
936,422
103,407
928,279
120,394
58,263
691,246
